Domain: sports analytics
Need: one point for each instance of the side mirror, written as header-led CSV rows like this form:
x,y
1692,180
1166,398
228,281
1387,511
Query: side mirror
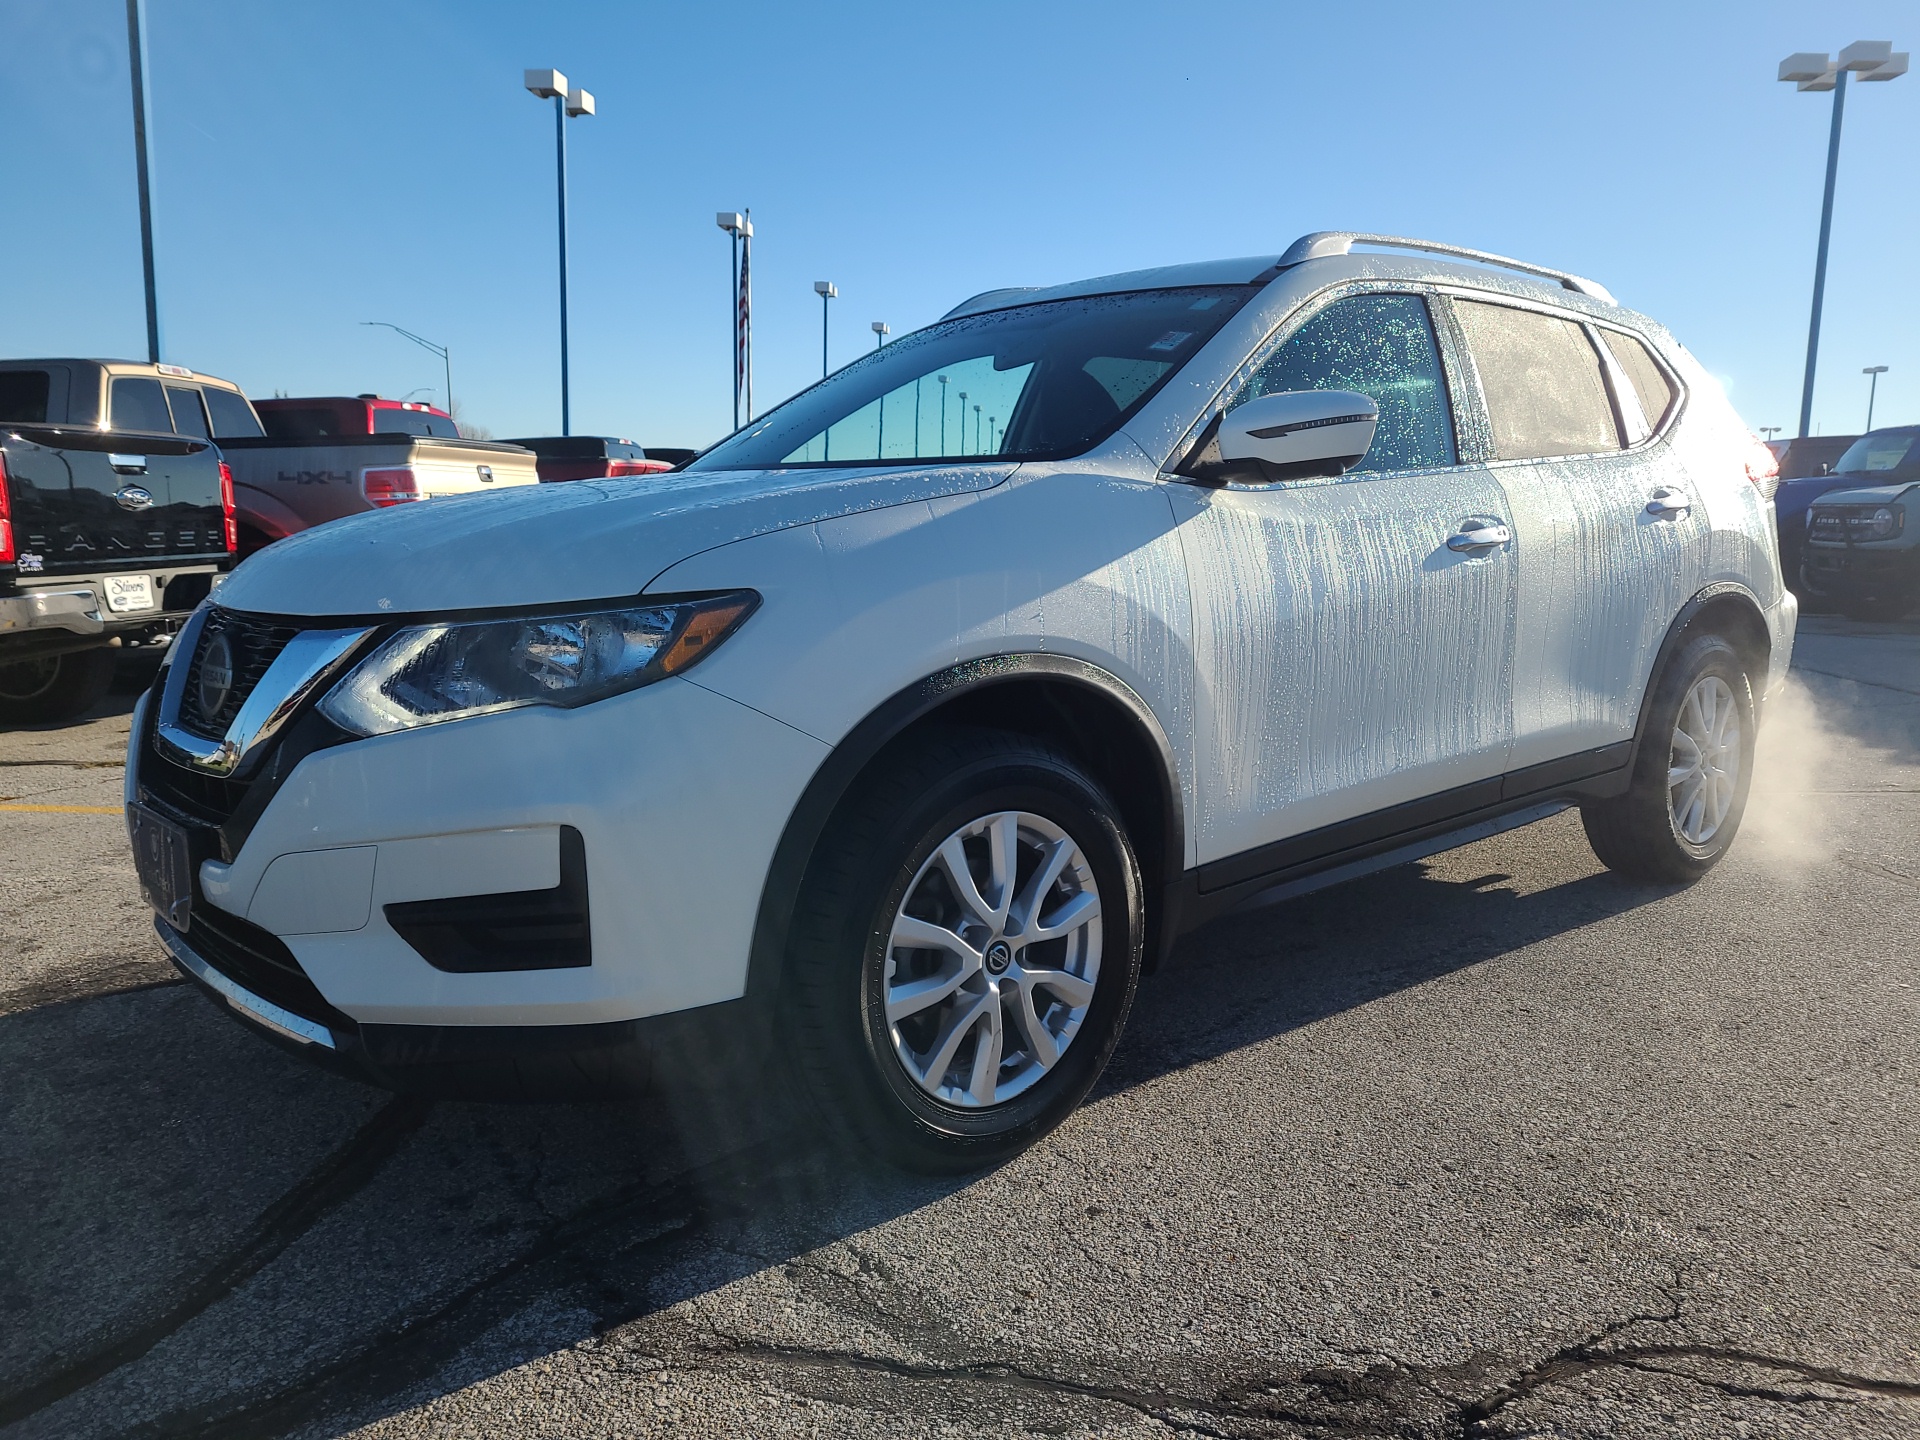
x,y
1289,436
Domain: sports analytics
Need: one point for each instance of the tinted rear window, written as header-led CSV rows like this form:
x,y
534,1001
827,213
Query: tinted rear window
x,y
232,415
139,405
189,416
23,395
1541,379
300,424
412,422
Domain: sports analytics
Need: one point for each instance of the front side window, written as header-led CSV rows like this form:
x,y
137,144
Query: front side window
x,y
1540,376
137,404
1383,347
1035,382
189,417
232,415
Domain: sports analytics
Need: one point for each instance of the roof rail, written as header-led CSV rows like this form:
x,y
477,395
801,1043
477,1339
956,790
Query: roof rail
x,y
1322,243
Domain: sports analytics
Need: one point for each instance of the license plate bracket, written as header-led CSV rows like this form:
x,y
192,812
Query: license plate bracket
x,y
163,859
128,593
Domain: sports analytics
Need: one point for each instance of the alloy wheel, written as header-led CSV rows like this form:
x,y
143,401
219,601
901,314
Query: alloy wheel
x,y
1703,773
992,959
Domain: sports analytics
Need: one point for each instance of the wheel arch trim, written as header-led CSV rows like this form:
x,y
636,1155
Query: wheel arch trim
x,y
808,820
1720,595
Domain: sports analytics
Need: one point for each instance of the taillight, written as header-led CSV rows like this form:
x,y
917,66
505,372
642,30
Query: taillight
x,y
634,467
6,517
1763,467
390,487
226,507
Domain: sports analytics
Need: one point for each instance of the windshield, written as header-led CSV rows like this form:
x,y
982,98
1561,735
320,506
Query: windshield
x,y
1891,451
1036,382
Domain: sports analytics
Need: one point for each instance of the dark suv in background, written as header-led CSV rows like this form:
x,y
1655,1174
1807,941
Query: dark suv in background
x,y
1862,552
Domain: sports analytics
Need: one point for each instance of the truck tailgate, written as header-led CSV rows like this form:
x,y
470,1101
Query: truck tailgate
x,y
86,499
286,485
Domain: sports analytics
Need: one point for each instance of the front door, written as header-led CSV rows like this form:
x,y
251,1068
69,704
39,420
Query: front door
x,y
1353,637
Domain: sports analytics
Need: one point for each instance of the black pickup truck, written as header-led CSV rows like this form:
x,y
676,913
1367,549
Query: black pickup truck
x,y
116,518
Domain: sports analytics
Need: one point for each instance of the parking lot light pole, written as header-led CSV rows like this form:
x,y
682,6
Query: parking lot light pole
x,y
552,85
442,351
1873,386
1812,70
880,333
824,289
137,64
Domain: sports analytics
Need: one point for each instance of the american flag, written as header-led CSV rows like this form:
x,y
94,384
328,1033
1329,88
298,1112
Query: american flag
x,y
743,377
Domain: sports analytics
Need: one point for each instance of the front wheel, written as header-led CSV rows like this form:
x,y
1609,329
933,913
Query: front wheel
x,y
1690,779
966,950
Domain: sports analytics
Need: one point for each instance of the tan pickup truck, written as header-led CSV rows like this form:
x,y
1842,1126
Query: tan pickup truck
x,y
332,456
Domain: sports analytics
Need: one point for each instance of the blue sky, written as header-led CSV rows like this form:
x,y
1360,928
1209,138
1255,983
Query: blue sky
x,y
319,165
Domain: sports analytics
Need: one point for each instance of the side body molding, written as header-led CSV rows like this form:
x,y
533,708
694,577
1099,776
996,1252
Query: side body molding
x,y
887,722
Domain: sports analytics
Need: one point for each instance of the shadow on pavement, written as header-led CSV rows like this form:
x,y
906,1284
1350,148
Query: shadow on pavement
x,y
209,1236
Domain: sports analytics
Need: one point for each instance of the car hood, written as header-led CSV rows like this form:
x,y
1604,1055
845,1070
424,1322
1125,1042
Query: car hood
x,y
1854,493
548,544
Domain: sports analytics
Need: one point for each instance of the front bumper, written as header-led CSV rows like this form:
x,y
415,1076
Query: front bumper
x,y
1861,571
680,796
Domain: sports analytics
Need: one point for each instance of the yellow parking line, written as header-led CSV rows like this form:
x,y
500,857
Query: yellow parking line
x,y
66,809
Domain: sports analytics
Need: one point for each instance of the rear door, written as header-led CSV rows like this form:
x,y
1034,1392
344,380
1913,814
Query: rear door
x,y
1600,573
1350,659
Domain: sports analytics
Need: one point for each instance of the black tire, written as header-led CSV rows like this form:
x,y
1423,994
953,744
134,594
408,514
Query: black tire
x,y
1636,834
55,687
834,992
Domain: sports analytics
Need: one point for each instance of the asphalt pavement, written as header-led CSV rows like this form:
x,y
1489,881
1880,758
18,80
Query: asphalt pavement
x,y
1495,1144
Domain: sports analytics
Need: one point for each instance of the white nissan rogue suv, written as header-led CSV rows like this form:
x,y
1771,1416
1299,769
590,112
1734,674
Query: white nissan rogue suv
x,y
899,730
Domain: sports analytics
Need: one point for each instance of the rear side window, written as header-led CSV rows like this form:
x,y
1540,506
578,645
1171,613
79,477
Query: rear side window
x,y
1381,346
232,415
1650,383
138,405
388,421
189,416
23,396
1542,382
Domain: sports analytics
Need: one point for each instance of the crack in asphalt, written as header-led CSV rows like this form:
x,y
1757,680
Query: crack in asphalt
x,y
414,1348
122,976
64,764
681,1211
326,1187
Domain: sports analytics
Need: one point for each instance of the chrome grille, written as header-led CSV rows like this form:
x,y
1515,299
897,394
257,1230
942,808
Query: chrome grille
x,y
253,645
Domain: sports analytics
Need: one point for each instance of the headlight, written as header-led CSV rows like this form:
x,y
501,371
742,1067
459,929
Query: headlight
x,y
1882,524
428,673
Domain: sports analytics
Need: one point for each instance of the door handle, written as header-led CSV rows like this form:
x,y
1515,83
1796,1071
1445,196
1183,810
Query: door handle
x,y
1669,504
128,464
1480,537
